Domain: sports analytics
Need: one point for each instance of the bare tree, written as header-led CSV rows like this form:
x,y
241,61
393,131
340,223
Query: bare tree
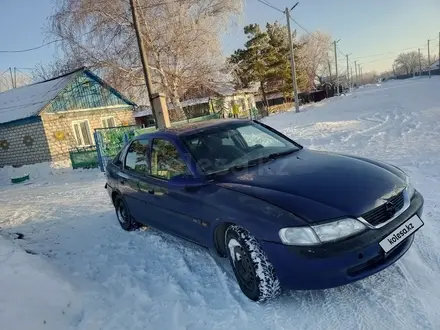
x,y
407,62
182,39
21,79
313,55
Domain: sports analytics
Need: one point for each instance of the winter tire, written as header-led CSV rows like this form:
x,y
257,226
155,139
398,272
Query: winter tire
x,y
254,273
123,215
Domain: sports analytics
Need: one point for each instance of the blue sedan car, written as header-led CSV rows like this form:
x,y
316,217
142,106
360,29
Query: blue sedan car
x,y
285,216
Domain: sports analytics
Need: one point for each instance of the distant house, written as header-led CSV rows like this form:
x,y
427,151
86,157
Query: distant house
x,y
43,121
210,101
435,65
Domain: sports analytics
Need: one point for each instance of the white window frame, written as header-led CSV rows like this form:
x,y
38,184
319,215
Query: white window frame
x,y
78,122
104,120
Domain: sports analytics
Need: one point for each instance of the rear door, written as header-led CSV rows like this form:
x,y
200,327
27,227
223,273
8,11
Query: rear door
x,y
136,168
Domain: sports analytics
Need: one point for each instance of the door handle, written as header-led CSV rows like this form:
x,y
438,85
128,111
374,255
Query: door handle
x,y
122,181
151,191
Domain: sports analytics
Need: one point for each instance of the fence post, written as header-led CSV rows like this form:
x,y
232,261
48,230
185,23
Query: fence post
x,y
98,141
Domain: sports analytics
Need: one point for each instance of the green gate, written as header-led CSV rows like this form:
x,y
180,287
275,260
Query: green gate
x,y
86,157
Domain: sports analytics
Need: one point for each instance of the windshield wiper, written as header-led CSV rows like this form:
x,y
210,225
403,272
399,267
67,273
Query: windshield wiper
x,y
252,162
281,154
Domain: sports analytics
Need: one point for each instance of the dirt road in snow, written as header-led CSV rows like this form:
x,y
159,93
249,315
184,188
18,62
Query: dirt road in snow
x,y
149,280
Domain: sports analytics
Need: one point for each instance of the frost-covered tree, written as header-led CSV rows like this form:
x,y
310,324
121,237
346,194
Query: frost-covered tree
x,y
313,55
183,40
407,62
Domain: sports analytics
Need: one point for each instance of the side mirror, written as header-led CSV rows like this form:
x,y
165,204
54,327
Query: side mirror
x,y
183,181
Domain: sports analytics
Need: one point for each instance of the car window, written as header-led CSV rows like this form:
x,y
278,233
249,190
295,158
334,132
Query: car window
x,y
223,147
252,135
165,160
136,159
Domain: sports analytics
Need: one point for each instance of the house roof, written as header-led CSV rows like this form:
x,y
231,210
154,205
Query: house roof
x,y
193,128
435,65
29,101
146,110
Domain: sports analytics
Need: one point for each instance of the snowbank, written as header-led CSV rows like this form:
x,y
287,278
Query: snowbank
x,y
47,171
150,280
32,295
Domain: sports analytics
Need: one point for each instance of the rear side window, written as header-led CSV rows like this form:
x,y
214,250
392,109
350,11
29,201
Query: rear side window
x,y
165,160
136,158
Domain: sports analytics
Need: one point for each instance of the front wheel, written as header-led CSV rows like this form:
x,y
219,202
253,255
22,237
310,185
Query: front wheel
x,y
254,272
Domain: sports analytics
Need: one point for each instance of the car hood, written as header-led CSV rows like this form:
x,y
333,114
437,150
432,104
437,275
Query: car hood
x,y
318,186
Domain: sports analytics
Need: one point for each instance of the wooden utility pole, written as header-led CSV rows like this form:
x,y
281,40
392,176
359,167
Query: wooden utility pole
x,y
292,60
329,67
143,56
336,67
12,78
348,72
429,62
356,71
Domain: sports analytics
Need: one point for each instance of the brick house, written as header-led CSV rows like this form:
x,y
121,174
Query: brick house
x,y
43,121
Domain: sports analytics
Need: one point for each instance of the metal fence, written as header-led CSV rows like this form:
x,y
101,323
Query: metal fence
x,y
86,157
109,141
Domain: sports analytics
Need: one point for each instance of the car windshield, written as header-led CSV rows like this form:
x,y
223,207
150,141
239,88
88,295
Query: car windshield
x,y
236,146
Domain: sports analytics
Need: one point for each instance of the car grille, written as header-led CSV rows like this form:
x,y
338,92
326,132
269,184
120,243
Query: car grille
x,y
380,215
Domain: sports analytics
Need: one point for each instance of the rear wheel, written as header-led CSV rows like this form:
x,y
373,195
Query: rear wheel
x,y
254,273
123,214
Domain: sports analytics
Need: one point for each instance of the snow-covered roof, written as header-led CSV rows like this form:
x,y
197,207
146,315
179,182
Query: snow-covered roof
x,y
143,111
435,65
229,89
28,101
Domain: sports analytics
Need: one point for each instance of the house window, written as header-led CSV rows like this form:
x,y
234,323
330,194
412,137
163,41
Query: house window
x,y
108,122
83,136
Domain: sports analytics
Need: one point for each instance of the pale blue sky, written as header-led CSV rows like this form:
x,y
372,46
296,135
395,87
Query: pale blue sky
x,y
364,27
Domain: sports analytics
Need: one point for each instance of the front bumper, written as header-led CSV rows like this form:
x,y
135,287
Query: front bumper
x,y
331,265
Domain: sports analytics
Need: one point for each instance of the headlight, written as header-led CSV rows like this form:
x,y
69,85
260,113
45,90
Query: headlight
x,y
318,234
298,236
338,229
409,187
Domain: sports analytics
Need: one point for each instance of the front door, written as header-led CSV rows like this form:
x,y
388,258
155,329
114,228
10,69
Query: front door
x,y
182,212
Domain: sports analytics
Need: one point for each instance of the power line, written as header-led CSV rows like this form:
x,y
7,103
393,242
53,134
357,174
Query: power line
x,y
24,73
388,53
1,74
304,29
29,49
270,5
380,59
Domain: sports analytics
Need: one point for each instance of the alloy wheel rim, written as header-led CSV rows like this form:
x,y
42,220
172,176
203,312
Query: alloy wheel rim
x,y
122,214
244,268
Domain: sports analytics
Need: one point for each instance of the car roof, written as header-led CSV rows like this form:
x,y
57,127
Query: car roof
x,y
193,128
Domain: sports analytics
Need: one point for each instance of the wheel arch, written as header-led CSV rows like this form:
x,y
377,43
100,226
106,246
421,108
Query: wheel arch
x,y
220,231
114,194
219,238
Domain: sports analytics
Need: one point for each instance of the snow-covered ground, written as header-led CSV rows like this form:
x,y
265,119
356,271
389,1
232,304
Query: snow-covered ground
x,y
83,272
